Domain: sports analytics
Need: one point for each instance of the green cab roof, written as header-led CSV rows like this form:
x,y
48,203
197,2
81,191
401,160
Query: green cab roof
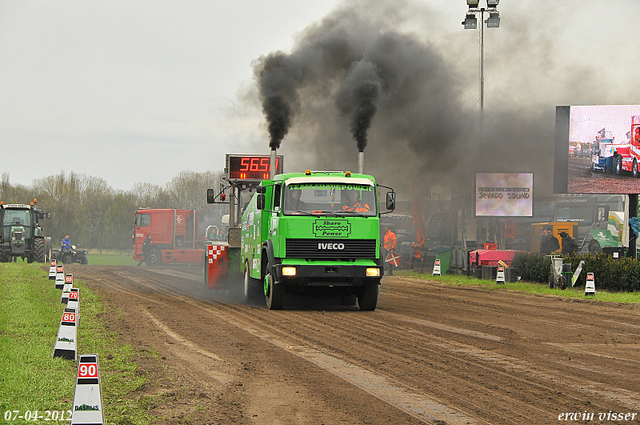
x,y
327,176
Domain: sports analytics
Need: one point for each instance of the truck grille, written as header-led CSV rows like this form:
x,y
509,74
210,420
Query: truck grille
x,y
331,249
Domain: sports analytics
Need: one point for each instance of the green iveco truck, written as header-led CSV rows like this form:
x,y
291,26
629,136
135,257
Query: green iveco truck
x,y
314,233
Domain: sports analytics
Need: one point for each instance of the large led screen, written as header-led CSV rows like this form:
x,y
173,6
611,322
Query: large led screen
x,y
504,194
597,149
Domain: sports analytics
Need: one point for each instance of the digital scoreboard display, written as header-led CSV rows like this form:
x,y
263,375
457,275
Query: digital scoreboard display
x,y
251,167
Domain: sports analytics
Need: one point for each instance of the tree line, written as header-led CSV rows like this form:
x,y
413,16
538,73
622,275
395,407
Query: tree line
x,y
97,216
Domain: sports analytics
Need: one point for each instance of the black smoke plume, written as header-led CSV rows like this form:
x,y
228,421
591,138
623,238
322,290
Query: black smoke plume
x,y
279,76
358,99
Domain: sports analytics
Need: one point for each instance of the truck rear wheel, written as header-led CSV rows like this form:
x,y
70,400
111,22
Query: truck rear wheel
x,y
250,285
368,297
618,165
274,293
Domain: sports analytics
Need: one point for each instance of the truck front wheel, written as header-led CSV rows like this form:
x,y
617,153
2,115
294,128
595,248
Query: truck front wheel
x,y
154,258
368,297
274,293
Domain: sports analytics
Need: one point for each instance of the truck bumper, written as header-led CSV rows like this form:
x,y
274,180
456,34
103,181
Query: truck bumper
x,y
328,275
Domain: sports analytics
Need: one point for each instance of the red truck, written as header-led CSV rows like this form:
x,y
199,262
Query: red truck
x,y
174,236
627,157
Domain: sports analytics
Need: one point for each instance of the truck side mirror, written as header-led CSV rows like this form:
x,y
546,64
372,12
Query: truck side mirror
x,y
211,196
48,215
261,189
391,201
260,201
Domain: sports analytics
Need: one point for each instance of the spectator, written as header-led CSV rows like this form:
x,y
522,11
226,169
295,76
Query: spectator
x,y
569,244
548,242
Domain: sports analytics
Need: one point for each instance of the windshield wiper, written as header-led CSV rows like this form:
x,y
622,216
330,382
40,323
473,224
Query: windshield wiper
x,y
354,213
327,213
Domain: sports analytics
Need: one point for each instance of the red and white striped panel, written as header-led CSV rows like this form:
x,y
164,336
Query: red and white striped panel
x,y
214,251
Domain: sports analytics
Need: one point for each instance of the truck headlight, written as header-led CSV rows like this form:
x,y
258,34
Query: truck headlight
x,y
373,272
289,271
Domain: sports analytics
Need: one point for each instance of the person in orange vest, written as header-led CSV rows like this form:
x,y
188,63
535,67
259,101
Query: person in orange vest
x,y
352,203
389,245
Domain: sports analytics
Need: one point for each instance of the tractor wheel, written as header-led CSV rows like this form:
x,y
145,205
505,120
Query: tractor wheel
x,y
595,247
38,254
154,258
67,259
84,260
368,297
274,293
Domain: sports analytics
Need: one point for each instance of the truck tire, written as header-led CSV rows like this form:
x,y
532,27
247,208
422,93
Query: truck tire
x,y
368,297
618,165
38,250
274,293
250,286
636,174
594,247
154,258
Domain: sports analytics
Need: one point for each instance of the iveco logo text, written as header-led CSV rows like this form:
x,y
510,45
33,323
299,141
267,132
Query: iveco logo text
x,y
334,246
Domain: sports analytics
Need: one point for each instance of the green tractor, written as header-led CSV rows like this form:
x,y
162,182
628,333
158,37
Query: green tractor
x,y
22,235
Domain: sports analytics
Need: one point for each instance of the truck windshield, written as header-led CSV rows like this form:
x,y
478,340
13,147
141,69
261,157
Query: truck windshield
x,y
335,199
579,214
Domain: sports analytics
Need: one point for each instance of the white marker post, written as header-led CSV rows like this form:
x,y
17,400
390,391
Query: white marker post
x,y
67,334
436,268
66,289
576,275
590,286
59,276
87,399
52,270
74,303
500,275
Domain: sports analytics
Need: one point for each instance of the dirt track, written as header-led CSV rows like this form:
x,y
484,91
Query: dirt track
x,y
583,180
429,354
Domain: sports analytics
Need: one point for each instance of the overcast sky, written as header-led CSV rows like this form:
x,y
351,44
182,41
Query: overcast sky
x,y
137,91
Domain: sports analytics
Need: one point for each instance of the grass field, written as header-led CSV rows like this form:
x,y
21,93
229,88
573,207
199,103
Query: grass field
x,y
31,379
111,258
535,288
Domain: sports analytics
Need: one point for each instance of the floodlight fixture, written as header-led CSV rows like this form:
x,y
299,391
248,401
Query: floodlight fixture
x,y
473,3
493,21
470,22
492,3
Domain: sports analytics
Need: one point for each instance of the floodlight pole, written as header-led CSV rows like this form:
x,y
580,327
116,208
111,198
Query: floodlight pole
x,y
482,69
475,10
